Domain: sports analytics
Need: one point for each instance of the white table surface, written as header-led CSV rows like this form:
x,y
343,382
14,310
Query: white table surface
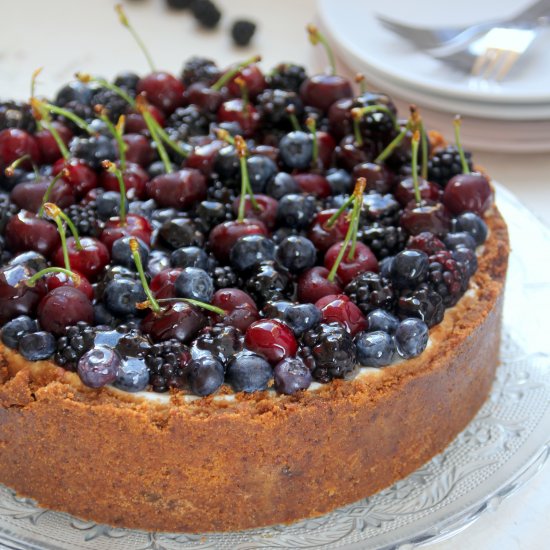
x,y
65,36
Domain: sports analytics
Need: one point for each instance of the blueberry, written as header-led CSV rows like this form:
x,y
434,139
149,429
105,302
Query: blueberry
x,y
195,283
380,319
340,181
108,338
121,296
474,225
226,164
210,213
282,184
121,253
179,232
127,80
250,251
296,253
93,149
374,349
204,374
302,317
15,329
108,205
296,150
291,375
296,211
467,257
36,346
99,366
132,375
409,268
74,91
189,256
384,267
261,169
102,316
248,372
411,337
460,238
277,309
158,261
143,208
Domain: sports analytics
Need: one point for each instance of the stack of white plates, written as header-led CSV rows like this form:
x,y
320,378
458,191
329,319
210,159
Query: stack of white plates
x,y
513,115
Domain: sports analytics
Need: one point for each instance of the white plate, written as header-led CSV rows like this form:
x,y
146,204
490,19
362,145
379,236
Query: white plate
x,y
354,28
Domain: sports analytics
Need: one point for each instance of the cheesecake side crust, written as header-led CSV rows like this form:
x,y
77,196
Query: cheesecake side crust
x,y
218,465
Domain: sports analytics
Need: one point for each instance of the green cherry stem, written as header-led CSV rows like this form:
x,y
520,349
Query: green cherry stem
x,y
112,168
54,212
424,149
312,127
116,133
34,76
197,303
246,188
42,117
81,123
224,135
85,78
10,170
414,167
63,173
228,75
55,134
315,37
395,142
379,108
332,220
161,132
74,276
151,300
125,23
356,116
457,123
291,112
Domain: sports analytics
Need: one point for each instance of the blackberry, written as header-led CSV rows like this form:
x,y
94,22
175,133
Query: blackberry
x,y
272,105
287,76
383,240
221,341
242,32
85,218
191,118
14,114
269,282
218,191
206,13
371,291
382,209
94,150
111,101
424,303
445,163
83,111
378,125
426,242
211,213
7,210
78,339
333,351
200,69
166,362
446,277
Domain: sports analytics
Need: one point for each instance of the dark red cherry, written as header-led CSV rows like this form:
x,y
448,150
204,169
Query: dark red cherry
x,y
80,175
379,177
313,284
253,79
30,194
314,184
223,236
236,110
179,189
326,146
272,339
339,117
240,308
322,236
162,285
267,213
468,193
202,158
348,154
404,190
56,280
341,309
16,143
135,226
138,149
204,97
363,260
429,216
163,90
179,320
322,90
134,176
48,146
25,231
16,298
90,260
269,151
135,123
62,307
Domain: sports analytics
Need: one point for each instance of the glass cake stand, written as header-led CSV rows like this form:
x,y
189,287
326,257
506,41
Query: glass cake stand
x,y
502,448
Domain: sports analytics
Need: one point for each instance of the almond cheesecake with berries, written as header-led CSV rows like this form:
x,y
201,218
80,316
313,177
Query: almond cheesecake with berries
x,y
231,300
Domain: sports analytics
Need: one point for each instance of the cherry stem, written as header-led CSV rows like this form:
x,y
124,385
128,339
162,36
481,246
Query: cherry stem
x,y
291,112
81,123
49,189
42,117
356,116
34,76
246,188
60,143
315,37
360,79
424,144
241,83
74,276
351,235
117,134
112,168
124,21
332,220
392,145
149,121
312,127
54,212
224,135
85,77
228,75
197,303
134,247
414,167
167,139
379,108
463,161
10,170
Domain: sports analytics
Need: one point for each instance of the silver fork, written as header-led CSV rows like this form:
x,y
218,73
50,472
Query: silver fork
x,y
429,38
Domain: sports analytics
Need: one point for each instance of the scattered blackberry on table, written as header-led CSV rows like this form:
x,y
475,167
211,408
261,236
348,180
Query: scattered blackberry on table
x,y
371,291
206,13
166,363
242,31
86,219
445,163
179,4
14,114
199,69
287,76
78,339
384,240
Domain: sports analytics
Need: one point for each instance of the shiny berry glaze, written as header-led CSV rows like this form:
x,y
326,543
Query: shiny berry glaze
x,y
90,260
322,236
179,189
179,320
56,280
135,226
313,285
468,193
14,144
363,260
135,179
80,175
224,235
163,90
25,231
340,308
267,213
48,146
272,339
322,90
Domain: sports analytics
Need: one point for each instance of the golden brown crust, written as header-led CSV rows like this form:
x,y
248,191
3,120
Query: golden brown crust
x,y
219,465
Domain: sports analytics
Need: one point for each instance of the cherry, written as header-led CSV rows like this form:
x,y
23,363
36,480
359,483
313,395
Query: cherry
x,y
59,279
204,97
15,144
202,158
179,189
240,308
16,298
322,90
223,236
179,320
135,179
427,216
162,284
49,148
79,175
468,193
90,260
62,307
341,309
272,339
135,226
323,236
25,231
138,149
29,195
326,145
242,112
363,260
348,153
267,214
314,184
163,90
135,123
379,177
339,117
253,78
404,190
313,284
